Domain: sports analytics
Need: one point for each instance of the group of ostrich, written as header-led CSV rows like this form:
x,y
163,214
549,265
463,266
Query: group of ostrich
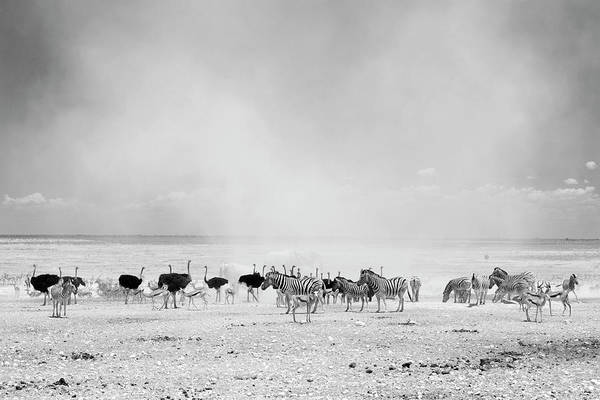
x,y
294,288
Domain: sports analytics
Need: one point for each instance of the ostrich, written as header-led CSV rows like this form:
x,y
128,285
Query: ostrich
x,y
215,283
329,291
130,282
76,281
41,283
252,281
175,282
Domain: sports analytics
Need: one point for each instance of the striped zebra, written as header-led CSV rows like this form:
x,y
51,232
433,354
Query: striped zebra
x,y
497,276
353,291
516,285
386,288
459,286
304,289
61,293
415,287
480,286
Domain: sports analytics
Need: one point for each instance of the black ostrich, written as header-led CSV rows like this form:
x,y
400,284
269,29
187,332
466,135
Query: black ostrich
x,y
41,283
328,286
130,282
76,281
253,281
215,283
175,282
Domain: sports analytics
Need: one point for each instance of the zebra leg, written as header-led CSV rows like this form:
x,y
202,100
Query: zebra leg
x,y
294,310
550,306
363,304
316,303
308,307
400,303
347,303
378,304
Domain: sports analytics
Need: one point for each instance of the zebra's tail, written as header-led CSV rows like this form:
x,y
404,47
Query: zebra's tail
x,y
408,291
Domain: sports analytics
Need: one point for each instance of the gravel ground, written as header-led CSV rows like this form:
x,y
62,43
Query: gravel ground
x,y
107,350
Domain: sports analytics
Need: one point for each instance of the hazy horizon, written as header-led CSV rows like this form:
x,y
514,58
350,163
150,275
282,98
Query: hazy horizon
x,y
395,119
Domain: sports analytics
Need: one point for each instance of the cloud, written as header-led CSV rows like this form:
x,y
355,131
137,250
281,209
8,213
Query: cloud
x,y
570,181
531,177
591,165
427,172
34,200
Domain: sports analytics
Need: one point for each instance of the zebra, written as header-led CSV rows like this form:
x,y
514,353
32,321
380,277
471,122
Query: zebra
x,y
497,276
458,285
415,286
352,291
515,284
61,292
480,286
386,288
303,289
568,285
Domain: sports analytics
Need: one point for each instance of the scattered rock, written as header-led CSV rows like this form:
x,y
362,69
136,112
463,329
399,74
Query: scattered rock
x,y
61,382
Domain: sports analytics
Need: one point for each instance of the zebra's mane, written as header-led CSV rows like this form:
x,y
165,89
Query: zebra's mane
x,y
499,272
448,287
279,273
371,273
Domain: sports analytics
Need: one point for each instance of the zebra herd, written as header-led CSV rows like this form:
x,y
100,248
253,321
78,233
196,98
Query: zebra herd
x,y
522,288
311,291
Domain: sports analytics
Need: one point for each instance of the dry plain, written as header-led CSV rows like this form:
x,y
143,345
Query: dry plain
x,y
108,350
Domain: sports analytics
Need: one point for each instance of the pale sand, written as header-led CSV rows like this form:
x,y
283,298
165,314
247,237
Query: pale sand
x,y
249,350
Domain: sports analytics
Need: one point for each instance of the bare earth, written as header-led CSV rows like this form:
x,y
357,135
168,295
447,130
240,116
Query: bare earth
x,y
107,350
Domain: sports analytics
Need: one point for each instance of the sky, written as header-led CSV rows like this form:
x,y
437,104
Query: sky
x,y
456,119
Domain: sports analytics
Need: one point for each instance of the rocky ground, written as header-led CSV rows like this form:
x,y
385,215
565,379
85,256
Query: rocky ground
x,y
107,350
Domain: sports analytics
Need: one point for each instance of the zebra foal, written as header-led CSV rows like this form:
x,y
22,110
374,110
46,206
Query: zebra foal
x,y
61,293
352,291
458,286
